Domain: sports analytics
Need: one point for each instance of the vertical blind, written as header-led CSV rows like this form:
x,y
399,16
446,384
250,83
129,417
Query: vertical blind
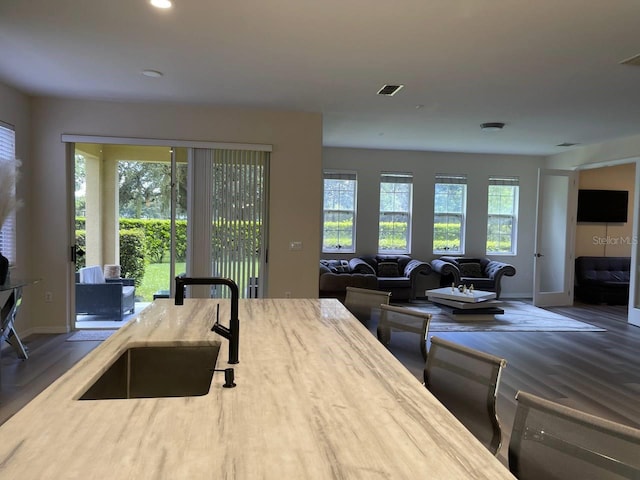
x,y
8,230
238,211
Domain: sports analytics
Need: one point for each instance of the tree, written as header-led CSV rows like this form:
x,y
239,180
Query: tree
x,y
145,189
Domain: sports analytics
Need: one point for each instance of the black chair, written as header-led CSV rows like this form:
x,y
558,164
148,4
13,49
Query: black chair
x,y
466,382
482,273
552,441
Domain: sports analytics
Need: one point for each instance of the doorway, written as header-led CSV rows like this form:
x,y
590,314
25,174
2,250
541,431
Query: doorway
x,y
130,228
140,211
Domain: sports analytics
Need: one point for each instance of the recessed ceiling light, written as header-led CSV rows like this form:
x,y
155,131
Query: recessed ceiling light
x,y
152,73
492,126
161,3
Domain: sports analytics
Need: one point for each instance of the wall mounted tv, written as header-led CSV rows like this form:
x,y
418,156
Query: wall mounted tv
x,y
602,206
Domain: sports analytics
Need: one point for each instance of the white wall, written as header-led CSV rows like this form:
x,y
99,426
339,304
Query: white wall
x,y
424,166
295,182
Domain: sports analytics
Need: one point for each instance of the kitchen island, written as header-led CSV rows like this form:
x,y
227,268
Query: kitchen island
x,y
317,396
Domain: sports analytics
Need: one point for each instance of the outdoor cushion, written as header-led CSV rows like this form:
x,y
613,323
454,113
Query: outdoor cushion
x,y
91,275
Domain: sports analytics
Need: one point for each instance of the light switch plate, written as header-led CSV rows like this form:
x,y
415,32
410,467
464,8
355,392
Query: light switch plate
x,y
295,245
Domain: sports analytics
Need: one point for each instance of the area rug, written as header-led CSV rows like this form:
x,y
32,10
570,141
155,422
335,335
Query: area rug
x,y
518,317
90,335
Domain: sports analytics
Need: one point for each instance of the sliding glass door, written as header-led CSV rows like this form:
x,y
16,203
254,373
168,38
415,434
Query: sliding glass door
x,y
230,228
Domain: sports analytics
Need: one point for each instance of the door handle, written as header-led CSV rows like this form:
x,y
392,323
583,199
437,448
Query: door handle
x,y
538,255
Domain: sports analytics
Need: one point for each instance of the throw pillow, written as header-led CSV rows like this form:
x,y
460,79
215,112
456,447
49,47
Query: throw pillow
x,y
388,269
470,269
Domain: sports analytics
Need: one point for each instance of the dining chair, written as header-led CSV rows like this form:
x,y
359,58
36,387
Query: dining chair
x,y
553,441
401,318
466,383
361,302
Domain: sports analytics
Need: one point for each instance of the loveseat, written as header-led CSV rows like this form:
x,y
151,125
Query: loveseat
x,y
397,274
602,279
97,295
482,273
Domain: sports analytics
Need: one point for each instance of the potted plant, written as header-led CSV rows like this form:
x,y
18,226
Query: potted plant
x,y
8,203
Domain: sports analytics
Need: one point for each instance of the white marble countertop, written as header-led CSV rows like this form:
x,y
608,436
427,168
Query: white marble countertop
x,y
317,396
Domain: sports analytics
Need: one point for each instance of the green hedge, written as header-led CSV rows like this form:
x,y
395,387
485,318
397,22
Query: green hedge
x,y
132,254
157,234
81,243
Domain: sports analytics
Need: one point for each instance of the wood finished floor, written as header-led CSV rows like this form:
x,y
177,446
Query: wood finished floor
x,y
598,372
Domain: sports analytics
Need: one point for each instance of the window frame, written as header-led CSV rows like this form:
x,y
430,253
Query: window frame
x,y
450,179
514,182
352,176
8,229
391,178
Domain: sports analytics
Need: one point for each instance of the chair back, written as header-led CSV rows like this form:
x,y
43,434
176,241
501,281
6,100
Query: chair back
x,y
553,441
361,302
401,318
466,382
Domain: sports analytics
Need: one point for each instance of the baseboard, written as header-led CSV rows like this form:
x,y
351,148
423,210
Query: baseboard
x,y
42,330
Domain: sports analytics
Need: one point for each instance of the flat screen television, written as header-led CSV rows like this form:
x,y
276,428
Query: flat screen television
x,y
602,206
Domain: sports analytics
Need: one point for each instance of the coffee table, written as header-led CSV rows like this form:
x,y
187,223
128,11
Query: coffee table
x,y
470,305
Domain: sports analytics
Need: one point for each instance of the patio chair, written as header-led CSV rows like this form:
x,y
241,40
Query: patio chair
x,y
96,295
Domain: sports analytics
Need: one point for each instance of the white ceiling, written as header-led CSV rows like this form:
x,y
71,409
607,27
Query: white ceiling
x,y
549,69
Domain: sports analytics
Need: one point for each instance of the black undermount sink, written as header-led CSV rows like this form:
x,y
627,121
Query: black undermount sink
x,y
157,371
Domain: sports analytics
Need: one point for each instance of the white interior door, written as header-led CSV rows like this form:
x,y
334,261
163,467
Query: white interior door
x,y
555,238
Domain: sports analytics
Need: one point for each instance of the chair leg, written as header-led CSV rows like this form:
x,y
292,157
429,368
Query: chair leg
x,y
384,334
423,339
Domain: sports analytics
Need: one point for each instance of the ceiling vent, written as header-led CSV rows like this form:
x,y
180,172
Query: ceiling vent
x,y
389,90
566,144
492,126
635,60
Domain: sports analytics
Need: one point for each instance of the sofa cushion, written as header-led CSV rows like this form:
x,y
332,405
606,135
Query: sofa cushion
x,y
388,269
470,269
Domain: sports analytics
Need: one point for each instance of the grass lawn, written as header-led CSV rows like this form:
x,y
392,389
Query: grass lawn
x,y
156,277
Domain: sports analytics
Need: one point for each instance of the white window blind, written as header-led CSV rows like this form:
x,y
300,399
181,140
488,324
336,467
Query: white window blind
x,y
8,230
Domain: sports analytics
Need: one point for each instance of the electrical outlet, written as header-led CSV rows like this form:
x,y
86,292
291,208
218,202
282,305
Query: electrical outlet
x,y
48,297
287,294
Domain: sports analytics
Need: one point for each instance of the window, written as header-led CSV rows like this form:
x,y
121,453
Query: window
x,y
394,228
8,167
449,210
339,224
502,215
